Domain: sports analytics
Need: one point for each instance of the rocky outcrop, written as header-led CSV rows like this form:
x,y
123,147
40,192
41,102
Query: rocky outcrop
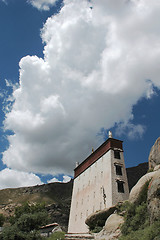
x,y
153,193
111,230
154,197
154,156
99,218
134,194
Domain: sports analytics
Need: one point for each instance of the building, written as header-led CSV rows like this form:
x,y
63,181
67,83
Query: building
x,y
100,182
47,230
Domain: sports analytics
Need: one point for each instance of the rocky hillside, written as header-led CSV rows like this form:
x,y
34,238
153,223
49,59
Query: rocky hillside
x,y
57,197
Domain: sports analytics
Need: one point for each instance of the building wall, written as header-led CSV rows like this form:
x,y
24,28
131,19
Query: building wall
x,y
119,196
95,189
88,190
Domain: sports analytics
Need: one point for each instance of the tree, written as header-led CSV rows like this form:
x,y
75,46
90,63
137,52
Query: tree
x,y
2,219
25,223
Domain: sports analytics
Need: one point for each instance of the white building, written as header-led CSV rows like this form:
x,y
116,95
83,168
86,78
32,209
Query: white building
x,y
100,182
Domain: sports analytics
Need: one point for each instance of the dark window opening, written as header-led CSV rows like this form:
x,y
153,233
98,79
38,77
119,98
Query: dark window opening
x,y
117,154
118,170
120,186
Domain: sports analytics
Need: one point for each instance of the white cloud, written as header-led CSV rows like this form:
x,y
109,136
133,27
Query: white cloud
x,y
4,1
98,58
65,179
131,130
42,4
53,180
12,178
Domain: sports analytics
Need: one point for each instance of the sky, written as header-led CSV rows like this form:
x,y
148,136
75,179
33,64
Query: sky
x,y
70,71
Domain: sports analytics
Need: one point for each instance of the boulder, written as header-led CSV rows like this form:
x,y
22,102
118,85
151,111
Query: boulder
x,y
154,197
154,156
111,230
99,218
134,194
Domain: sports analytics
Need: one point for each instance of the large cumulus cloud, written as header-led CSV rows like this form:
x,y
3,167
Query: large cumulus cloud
x,y
100,58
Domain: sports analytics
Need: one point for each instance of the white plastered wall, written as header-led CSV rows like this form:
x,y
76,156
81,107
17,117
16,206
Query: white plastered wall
x,y
88,190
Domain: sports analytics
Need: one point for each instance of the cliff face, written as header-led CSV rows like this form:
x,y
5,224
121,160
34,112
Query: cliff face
x,y
154,156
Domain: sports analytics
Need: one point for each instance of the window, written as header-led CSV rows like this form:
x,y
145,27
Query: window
x,y
118,170
117,154
120,186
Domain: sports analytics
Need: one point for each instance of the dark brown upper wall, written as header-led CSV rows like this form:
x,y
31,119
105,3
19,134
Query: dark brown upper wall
x,y
110,143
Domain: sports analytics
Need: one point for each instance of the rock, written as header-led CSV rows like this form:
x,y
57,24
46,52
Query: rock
x,y
111,230
154,156
157,167
99,218
134,194
154,197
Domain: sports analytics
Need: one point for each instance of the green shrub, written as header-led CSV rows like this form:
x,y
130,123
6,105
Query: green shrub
x,y
25,223
57,236
27,208
136,215
2,219
136,225
97,229
143,194
151,232
150,170
13,233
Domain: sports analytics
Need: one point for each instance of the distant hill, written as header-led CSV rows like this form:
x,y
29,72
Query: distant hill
x,y
135,173
57,196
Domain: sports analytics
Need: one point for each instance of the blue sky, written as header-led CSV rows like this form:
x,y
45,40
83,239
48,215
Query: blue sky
x,y
69,72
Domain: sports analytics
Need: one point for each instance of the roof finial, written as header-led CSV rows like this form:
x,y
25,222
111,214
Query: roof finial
x,y
77,164
110,134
